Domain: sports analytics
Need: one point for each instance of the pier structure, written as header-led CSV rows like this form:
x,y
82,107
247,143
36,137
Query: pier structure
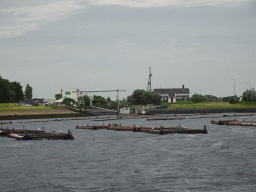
x,y
234,122
153,130
35,134
8,122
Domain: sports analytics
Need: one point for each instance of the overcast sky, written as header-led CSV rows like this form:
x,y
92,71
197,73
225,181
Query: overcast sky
x,y
95,45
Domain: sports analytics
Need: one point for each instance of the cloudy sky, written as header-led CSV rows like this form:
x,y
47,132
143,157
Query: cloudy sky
x,y
110,44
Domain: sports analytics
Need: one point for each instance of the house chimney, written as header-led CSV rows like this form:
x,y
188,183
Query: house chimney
x,y
183,86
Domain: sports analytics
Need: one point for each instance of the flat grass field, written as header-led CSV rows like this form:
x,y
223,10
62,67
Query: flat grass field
x,y
205,105
210,105
15,109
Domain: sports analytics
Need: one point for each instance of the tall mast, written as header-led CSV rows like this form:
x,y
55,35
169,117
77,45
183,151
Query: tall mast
x,y
149,80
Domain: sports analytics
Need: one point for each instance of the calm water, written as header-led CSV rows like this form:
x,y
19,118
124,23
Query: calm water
x,y
105,160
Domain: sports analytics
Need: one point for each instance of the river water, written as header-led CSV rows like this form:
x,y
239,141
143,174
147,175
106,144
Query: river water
x,y
106,160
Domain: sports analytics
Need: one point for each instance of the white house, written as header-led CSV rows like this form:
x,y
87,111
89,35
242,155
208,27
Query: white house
x,y
171,95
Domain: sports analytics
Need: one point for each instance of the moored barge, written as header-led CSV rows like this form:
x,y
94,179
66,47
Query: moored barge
x,y
153,130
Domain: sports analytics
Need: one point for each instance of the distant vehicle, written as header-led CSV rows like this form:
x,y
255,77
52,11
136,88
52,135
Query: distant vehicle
x,y
35,103
46,104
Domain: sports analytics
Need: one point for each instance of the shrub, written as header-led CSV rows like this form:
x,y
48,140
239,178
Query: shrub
x,y
198,98
232,101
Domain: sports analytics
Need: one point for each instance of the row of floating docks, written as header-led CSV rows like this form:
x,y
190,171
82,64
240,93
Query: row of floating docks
x,y
153,130
123,117
34,134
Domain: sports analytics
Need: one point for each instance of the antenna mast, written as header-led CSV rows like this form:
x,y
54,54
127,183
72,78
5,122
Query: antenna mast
x,y
149,80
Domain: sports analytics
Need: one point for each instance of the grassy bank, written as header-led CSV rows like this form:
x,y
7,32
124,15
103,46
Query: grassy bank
x,y
16,107
209,105
205,105
179,105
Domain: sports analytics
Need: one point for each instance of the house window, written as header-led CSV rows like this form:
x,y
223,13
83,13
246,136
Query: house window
x,y
67,93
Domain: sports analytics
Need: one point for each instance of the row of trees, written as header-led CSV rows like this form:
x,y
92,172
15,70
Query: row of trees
x,y
142,97
139,97
249,95
11,92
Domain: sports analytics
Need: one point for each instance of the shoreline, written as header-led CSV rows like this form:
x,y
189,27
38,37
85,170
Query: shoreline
x,y
36,115
192,111
43,116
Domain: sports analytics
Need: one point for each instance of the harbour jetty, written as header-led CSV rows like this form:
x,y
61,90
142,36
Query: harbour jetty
x,y
8,122
166,118
234,122
153,130
35,134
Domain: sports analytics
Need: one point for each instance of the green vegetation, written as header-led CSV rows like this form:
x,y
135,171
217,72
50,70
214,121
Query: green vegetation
x,y
249,96
99,101
10,92
58,96
84,100
28,92
232,101
16,107
210,105
204,105
142,97
68,101
198,98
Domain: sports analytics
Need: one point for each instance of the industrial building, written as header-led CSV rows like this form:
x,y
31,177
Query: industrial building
x,y
68,93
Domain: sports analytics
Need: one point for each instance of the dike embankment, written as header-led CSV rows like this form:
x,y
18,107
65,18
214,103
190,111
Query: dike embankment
x,y
192,111
45,116
41,114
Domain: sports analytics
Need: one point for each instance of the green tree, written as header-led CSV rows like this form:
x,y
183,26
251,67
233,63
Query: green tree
x,y
249,95
233,101
17,89
84,100
142,97
58,96
10,91
198,98
28,92
99,101
5,91
109,99
253,96
113,105
226,99
212,98
67,101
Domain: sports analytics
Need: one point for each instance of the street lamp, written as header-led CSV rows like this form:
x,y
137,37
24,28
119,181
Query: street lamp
x,y
249,85
234,87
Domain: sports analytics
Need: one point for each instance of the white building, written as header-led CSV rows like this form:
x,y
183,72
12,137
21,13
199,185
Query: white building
x,y
68,93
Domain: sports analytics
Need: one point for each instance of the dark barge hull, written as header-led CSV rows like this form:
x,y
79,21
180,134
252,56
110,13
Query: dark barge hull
x,y
159,130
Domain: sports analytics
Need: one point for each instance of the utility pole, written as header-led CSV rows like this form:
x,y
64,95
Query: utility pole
x,y
234,87
149,80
